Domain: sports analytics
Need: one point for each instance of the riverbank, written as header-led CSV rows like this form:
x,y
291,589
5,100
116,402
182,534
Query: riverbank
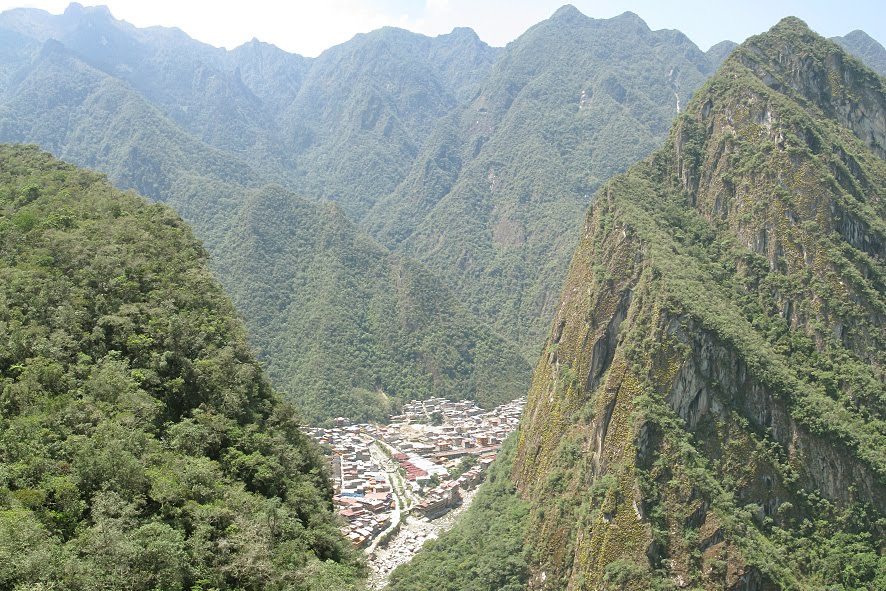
x,y
406,543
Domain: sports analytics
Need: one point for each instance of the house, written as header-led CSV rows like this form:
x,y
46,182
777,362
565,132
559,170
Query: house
x,y
352,513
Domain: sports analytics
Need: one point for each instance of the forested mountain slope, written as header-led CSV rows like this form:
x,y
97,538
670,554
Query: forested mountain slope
x,y
709,409
368,106
410,337
141,445
194,84
351,328
493,203
82,114
375,118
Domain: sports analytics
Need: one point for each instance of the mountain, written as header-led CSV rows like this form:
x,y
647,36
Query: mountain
x,y
493,201
100,106
349,328
709,409
141,445
718,52
184,78
81,114
317,125
368,106
472,166
155,111
862,46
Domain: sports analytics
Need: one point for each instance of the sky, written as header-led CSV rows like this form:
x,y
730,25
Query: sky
x,y
309,27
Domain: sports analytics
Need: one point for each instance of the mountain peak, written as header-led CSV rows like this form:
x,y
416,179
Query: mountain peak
x,y
629,17
791,24
794,60
76,9
53,47
567,12
859,35
464,33
866,48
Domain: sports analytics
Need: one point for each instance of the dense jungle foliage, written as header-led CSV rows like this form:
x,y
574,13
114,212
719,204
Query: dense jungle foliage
x,y
141,445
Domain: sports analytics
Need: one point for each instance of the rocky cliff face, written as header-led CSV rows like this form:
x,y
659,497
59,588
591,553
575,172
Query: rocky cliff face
x,y
708,412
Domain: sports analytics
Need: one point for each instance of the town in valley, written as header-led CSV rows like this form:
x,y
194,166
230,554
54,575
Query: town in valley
x,y
422,463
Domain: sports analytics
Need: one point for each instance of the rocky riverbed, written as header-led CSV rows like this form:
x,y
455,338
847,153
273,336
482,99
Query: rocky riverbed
x,y
408,541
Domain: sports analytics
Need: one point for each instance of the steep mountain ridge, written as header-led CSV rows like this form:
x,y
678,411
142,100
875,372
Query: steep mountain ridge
x,y
189,81
709,409
96,120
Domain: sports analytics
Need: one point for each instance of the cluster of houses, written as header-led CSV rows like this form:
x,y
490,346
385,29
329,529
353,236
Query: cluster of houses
x,y
363,495
413,472
425,444
464,429
447,495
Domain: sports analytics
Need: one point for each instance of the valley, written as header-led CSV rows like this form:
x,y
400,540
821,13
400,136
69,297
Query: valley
x,y
594,309
394,482
414,533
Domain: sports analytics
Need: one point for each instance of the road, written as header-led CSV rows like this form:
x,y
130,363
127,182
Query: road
x,y
399,489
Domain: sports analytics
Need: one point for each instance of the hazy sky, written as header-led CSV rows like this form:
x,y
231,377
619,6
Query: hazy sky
x,y
309,27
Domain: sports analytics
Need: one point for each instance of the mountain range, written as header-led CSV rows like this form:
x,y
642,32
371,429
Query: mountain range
x,y
428,147
465,168
171,118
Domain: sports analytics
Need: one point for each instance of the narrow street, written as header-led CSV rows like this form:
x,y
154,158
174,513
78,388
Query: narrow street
x,y
399,489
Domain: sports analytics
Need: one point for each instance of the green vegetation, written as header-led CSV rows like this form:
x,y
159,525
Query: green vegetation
x,y
374,124
719,350
141,446
484,550
343,326
476,162
494,201
466,463
348,329
367,107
